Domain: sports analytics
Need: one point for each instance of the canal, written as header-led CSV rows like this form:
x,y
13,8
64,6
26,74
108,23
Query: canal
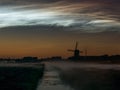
x,y
80,76
51,80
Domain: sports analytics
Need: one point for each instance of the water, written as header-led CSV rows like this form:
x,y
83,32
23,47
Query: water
x,y
80,76
51,80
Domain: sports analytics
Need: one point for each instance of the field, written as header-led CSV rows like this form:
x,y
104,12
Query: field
x,y
20,78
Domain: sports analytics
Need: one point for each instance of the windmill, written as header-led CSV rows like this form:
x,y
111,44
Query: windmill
x,y
76,51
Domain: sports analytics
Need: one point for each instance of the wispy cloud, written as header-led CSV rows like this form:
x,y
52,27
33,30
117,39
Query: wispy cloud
x,y
80,15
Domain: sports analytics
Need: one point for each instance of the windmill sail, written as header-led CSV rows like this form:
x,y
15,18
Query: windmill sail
x,y
76,45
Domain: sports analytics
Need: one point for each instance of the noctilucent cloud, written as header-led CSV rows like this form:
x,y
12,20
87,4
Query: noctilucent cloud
x,y
87,15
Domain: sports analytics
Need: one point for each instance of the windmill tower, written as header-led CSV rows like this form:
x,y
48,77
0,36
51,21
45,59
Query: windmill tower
x,y
76,51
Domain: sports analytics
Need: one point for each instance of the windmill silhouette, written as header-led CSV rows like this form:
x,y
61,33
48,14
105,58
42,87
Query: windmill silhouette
x,y
76,51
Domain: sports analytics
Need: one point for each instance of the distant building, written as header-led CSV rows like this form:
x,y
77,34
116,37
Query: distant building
x,y
56,58
28,59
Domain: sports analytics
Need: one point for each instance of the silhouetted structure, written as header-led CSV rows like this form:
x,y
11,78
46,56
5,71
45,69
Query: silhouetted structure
x,y
56,58
28,60
76,52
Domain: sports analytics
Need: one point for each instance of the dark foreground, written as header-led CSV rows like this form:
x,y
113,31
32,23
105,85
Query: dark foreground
x,y
20,78
60,76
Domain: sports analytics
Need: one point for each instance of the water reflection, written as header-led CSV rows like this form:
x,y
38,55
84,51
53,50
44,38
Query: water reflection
x,y
52,81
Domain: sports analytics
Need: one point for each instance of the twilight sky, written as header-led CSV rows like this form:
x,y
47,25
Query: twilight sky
x,y
47,28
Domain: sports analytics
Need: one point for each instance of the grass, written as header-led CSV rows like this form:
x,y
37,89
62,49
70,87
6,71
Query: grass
x,y
20,78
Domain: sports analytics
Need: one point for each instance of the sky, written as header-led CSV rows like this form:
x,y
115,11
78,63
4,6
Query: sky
x,y
46,28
